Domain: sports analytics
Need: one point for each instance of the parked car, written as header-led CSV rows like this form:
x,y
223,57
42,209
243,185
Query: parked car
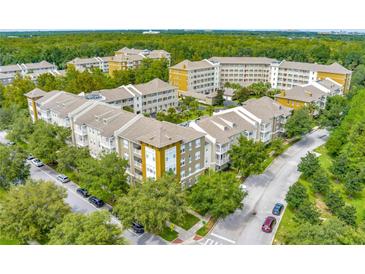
x,y
30,157
278,208
137,228
37,162
83,192
63,178
269,224
96,202
10,143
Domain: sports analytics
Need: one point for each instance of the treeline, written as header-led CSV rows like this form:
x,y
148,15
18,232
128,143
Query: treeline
x,y
60,48
325,205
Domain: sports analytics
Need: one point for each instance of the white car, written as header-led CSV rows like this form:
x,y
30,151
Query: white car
x,y
63,178
37,162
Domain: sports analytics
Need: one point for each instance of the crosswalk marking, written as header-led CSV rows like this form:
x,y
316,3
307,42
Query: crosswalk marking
x,y
211,242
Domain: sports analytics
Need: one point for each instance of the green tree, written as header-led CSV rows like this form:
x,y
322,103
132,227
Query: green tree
x,y
13,167
29,212
347,214
152,204
52,138
151,69
216,193
104,178
331,232
219,100
309,165
247,156
334,202
301,122
296,195
91,229
340,166
8,116
336,108
68,158
21,128
307,212
14,93
48,82
320,182
353,183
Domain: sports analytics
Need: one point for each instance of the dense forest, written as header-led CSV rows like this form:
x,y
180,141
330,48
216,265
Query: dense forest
x,y
61,47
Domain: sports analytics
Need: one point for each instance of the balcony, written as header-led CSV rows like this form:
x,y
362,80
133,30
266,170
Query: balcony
x,y
109,144
138,165
265,128
137,151
81,130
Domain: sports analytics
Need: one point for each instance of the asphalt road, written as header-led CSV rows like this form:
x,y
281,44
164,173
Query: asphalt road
x,y
244,226
80,204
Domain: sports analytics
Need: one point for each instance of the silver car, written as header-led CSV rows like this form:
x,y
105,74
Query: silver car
x,y
37,162
63,178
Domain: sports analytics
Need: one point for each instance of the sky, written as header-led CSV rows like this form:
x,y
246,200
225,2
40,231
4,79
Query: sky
x,y
186,14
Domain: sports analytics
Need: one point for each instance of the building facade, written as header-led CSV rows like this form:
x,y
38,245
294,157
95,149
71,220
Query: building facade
x,y
259,120
248,70
82,64
32,70
151,97
198,76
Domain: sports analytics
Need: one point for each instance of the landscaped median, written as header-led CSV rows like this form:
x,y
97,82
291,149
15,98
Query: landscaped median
x,y
206,228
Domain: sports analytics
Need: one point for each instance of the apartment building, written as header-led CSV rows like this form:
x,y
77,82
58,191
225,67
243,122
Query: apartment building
x,y
127,58
33,70
196,76
300,96
82,64
257,119
124,62
285,74
153,148
315,94
248,70
243,70
94,127
146,53
54,107
151,97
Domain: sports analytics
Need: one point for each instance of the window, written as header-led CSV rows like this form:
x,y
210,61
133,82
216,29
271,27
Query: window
x,y
125,143
126,156
197,166
189,145
189,158
182,173
197,143
197,155
182,161
182,149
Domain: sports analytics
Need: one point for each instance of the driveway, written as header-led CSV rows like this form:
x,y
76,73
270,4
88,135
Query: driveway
x,y
264,190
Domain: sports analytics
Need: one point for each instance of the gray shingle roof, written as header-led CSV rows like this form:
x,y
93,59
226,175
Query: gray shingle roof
x,y
155,85
243,60
35,93
191,65
265,108
307,94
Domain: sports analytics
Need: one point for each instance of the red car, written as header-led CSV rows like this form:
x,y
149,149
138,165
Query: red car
x,y
268,224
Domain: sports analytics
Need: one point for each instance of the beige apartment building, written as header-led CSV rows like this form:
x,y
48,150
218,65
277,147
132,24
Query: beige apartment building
x,y
259,120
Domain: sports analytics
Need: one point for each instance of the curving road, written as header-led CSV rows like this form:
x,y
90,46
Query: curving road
x,y
264,190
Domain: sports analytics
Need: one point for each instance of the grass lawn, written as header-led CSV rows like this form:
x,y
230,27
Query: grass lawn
x,y
188,221
168,234
206,228
288,223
